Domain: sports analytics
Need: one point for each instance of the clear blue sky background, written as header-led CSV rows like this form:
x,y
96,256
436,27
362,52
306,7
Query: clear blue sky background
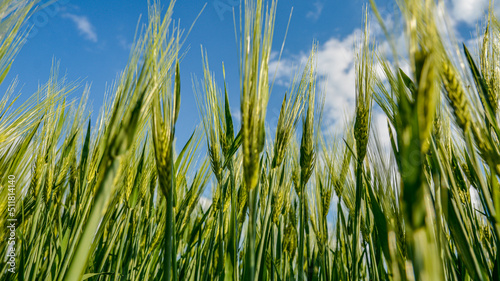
x,y
91,39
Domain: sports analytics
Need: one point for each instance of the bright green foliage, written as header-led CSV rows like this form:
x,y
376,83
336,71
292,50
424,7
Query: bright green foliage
x,y
112,199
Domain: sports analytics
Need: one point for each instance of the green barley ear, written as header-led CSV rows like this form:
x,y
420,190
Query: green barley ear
x,y
128,168
437,129
427,95
13,15
229,138
489,54
326,198
279,143
425,50
213,115
163,61
307,153
290,237
255,52
361,131
364,88
307,163
291,109
456,96
163,135
177,92
163,128
344,170
460,104
133,192
278,201
242,203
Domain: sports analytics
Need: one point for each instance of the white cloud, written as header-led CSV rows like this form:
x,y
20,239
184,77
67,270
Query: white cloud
x,y
316,13
236,114
336,75
124,43
468,11
379,124
283,71
475,199
335,70
205,202
84,26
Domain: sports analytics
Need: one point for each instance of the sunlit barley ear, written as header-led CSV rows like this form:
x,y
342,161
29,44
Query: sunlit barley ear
x,y
344,169
425,52
295,166
291,110
361,131
427,96
13,15
307,144
489,55
255,52
364,70
290,239
255,45
209,100
437,129
456,96
364,88
326,198
278,200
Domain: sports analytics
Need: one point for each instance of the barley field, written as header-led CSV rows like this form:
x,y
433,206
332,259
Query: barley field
x,y
118,198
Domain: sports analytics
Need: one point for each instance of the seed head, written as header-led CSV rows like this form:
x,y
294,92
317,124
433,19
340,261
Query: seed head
x,y
456,96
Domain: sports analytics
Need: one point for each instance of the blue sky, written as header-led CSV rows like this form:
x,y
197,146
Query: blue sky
x,y
91,40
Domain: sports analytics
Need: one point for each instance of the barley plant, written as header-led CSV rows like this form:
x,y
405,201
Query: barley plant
x,y
116,198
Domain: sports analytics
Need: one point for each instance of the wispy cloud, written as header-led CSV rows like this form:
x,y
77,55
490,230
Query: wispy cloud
x,y
83,25
123,42
205,202
236,114
335,70
316,12
468,11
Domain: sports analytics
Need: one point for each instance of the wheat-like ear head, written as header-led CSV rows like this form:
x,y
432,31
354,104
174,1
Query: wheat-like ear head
x,y
365,77
489,56
456,96
209,100
307,145
13,15
291,109
364,88
255,52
